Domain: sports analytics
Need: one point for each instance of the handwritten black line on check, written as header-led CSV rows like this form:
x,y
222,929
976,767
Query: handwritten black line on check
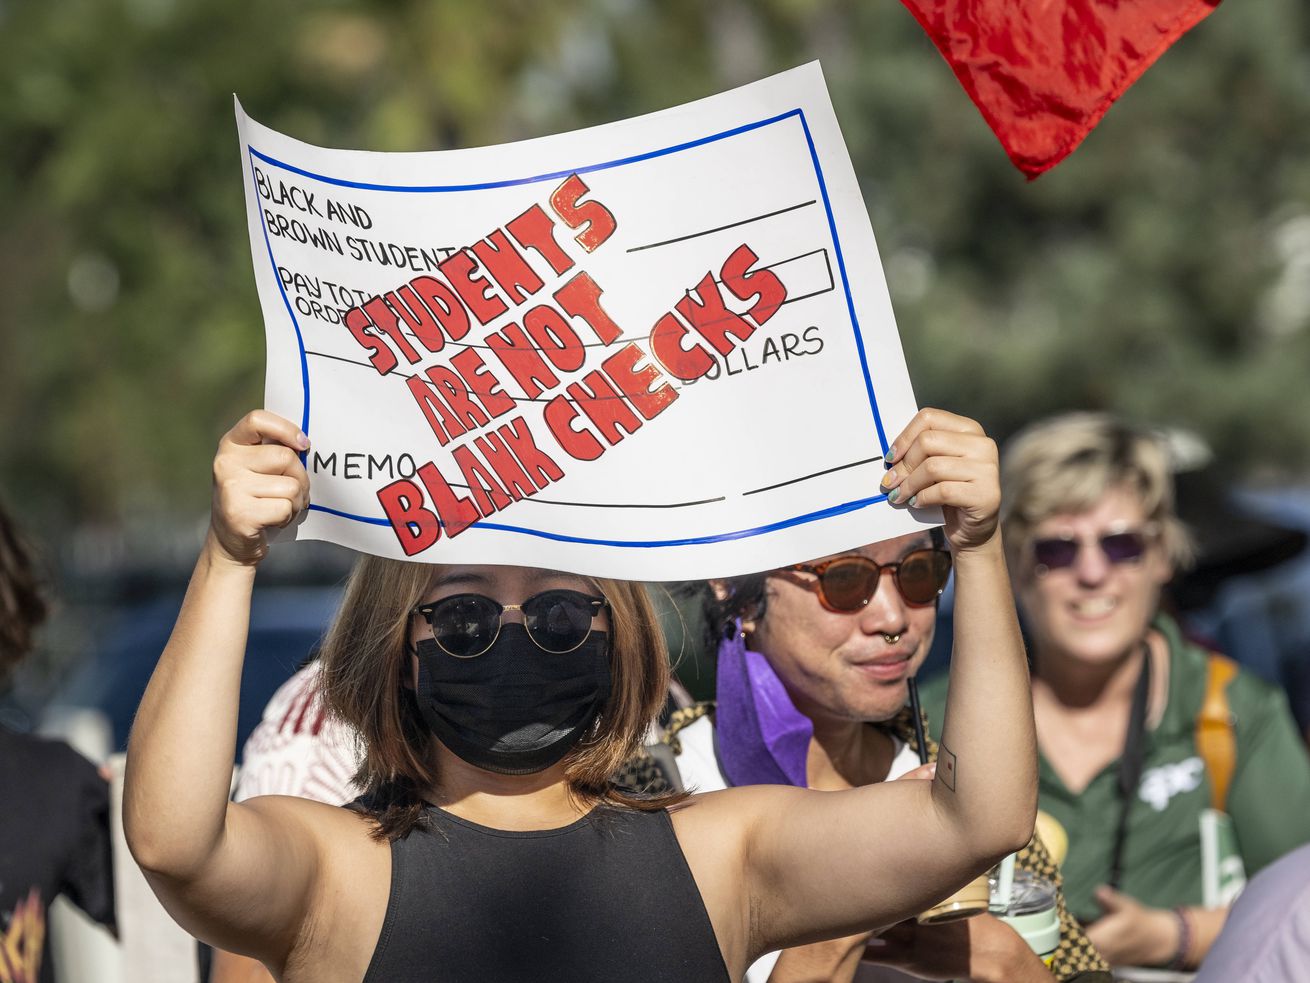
x,y
817,474
362,365
724,228
832,284
827,261
606,505
617,505
465,389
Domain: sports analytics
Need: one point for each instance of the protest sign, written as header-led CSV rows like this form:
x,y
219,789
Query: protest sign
x,y
656,349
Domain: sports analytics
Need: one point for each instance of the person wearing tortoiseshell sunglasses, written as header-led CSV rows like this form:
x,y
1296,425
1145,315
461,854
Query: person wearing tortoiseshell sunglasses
x,y
812,674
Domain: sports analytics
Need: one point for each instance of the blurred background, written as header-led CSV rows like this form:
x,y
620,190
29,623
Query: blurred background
x,y
1162,271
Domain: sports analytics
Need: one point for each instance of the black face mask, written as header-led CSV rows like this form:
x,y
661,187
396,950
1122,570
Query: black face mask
x,y
515,709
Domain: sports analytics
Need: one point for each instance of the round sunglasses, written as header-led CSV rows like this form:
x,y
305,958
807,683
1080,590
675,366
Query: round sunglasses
x,y
847,584
467,625
1120,546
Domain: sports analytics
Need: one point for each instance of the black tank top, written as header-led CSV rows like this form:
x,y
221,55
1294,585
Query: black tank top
x,y
608,898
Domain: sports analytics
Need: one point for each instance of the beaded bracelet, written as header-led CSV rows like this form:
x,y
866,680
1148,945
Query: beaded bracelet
x,y
1179,960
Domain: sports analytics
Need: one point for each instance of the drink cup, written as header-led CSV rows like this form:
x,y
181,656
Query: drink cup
x,y
968,901
1033,914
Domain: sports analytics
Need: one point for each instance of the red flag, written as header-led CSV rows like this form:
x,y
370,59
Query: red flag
x,y
1043,72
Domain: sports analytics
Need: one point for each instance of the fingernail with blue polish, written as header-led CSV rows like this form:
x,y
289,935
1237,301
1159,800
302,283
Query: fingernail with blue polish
x,y
890,457
913,499
893,494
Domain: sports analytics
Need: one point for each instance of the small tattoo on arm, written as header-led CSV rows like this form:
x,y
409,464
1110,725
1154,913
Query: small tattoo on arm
x,y
946,768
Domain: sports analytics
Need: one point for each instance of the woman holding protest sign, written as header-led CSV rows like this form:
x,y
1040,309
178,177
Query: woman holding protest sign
x,y
494,702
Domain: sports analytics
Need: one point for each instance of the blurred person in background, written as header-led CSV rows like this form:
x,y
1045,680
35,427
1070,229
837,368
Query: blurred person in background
x,y
1266,938
1171,770
813,663
54,804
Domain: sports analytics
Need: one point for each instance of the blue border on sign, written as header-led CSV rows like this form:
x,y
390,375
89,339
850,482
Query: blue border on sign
x,y
799,114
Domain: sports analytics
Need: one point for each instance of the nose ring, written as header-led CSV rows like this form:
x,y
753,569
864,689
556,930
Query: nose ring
x,y
891,639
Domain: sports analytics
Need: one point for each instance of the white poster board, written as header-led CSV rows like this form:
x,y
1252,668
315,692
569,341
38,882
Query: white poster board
x,y
656,349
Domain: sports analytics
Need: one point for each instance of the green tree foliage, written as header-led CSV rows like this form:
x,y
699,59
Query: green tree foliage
x,y
1163,270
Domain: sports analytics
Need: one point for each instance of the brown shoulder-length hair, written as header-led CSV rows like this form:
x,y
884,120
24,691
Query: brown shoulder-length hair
x,y
366,665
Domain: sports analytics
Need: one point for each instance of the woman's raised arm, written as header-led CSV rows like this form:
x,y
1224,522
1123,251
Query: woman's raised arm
x,y
986,786
226,872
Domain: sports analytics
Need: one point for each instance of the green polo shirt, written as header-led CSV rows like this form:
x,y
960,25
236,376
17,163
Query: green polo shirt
x,y
1268,800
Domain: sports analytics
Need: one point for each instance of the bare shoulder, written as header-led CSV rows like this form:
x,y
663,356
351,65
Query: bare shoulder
x,y
734,806
313,822
716,827
337,836
715,830
760,812
352,884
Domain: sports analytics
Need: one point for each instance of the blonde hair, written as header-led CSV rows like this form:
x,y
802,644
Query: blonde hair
x,y
1066,464
366,663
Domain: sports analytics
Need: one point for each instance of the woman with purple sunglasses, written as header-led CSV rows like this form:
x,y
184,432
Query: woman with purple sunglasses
x,y
1163,811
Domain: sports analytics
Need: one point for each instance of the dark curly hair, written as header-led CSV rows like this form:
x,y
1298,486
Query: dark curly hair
x,y
22,606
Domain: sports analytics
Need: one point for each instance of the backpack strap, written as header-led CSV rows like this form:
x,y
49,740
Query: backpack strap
x,y
1216,740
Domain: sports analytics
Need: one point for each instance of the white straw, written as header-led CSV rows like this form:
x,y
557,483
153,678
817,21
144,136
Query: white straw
x,y
1004,884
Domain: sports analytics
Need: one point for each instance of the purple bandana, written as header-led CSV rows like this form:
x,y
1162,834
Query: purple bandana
x,y
762,738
